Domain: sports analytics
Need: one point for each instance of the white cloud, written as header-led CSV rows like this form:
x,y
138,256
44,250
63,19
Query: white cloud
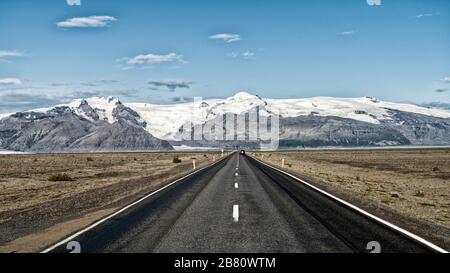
x,y
346,33
248,54
7,54
245,55
10,81
86,22
153,59
445,79
226,37
422,15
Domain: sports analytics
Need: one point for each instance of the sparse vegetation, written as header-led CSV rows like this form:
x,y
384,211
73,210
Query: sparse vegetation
x,y
395,194
419,194
176,160
89,159
427,205
59,177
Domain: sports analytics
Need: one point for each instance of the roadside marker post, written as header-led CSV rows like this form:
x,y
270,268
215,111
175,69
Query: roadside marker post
x,y
282,163
236,213
193,164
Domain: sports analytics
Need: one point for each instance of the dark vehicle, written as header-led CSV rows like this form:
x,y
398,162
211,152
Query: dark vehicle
x,y
242,152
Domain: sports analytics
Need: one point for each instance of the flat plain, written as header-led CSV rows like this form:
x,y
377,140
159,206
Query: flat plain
x,y
43,198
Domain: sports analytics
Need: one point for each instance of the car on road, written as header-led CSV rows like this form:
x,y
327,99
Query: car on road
x,y
242,152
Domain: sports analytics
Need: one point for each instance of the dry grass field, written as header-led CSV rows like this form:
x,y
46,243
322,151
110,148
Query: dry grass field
x,y
414,182
45,197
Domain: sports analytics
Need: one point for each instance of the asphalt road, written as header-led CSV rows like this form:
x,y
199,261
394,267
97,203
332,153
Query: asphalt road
x,y
258,210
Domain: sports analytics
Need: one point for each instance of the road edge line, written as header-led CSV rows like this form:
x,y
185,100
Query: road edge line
x,y
106,218
365,213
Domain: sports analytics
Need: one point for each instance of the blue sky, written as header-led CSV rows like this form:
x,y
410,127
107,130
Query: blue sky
x,y
163,51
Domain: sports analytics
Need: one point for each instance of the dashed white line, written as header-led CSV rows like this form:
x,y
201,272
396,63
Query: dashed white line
x,y
100,221
236,174
236,185
236,213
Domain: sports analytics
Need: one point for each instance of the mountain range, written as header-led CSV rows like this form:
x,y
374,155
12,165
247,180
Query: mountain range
x,y
107,124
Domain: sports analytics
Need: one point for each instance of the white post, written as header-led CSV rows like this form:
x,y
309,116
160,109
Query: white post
x,y
262,157
193,164
282,163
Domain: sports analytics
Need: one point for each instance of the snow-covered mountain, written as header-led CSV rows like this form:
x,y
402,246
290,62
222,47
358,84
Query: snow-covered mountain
x,y
106,125
165,120
314,121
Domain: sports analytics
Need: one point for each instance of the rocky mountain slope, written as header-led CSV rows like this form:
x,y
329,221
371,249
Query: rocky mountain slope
x,y
77,129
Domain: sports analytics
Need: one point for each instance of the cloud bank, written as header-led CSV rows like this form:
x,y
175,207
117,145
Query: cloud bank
x,y
172,85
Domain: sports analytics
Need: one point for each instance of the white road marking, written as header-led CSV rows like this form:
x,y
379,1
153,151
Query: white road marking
x,y
236,213
373,217
236,174
236,185
70,238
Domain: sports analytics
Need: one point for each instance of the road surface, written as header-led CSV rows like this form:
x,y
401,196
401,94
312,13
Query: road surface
x,y
241,205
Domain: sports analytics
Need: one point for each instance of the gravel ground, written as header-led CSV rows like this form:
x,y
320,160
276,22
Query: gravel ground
x,y
35,211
